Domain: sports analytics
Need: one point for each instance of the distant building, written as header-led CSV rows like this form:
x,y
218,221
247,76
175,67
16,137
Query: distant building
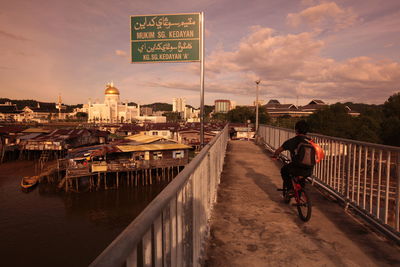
x,y
191,114
222,106
112,110
153,119
43,112
276,109
146,111
178,104
233,104
314,105
273,103
9,112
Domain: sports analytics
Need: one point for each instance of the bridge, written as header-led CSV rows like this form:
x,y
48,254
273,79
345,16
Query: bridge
x,y
223,209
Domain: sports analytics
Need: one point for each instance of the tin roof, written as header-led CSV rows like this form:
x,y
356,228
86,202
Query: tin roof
x,y
152,147
11,129
30,136
61,135
145,139
36,130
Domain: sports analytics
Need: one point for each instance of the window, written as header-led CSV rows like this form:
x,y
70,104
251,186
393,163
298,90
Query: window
x,y
179,154
157,155
155,133
140,157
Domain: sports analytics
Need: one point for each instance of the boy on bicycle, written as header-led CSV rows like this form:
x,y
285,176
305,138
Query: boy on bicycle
x,y
301,164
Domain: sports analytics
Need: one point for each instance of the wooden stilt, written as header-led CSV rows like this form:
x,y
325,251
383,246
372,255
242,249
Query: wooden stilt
x,y
150,177
117,180
105,181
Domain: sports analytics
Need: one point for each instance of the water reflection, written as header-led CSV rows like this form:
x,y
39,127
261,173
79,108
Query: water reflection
x,y
51,228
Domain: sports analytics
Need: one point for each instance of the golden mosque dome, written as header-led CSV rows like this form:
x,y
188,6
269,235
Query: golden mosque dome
x,y
111,90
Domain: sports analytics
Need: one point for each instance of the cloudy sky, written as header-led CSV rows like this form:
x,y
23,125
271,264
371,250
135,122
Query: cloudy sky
x,y
339,50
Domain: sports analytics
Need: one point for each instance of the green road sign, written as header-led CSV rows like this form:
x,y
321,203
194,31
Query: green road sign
x,y
165,38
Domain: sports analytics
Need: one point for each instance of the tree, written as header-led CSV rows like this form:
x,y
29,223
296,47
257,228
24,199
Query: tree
x,y
159,106
287,121
391,131
82,116
222,117
173,116
242,113
207,110
391,122
333,121
392,106
367,128
263,116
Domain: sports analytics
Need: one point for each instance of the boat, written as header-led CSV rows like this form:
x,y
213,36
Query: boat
x,y
29,181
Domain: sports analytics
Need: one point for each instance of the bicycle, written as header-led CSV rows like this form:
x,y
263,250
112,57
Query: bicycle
x,y
302,200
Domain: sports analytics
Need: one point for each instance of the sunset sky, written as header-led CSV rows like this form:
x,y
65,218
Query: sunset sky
x,y
344,50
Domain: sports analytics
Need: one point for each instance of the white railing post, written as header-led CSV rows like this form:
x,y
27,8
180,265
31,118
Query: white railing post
x,y
348,171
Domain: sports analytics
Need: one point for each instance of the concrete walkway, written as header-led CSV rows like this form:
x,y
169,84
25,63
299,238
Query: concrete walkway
x,y
251,226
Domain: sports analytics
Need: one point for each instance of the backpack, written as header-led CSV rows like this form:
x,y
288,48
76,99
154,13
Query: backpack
x,y
308,153
305,154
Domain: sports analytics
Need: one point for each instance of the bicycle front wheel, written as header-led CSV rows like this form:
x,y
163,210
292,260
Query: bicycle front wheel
x,y
304,205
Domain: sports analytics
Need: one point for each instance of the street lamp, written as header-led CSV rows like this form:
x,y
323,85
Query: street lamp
x,y
257,83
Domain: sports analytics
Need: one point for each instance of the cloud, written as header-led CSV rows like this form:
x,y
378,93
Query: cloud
x,y
324,16
264,53
13,36
121,53
291,65
308,2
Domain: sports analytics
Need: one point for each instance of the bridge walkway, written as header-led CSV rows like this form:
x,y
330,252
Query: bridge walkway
x,y
251,226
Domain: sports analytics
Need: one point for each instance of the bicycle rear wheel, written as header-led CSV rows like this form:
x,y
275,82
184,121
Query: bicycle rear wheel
x,y
304,205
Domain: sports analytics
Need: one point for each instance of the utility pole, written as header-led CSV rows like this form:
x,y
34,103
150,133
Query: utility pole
x,y
257,83
202,81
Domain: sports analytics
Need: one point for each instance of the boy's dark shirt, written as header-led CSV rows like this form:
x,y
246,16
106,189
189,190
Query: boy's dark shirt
x,y
292,144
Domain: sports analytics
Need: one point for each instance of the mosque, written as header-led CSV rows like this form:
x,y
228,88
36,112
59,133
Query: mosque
x,y
112,110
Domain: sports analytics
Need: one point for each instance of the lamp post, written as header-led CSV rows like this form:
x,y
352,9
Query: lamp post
x,y
257,83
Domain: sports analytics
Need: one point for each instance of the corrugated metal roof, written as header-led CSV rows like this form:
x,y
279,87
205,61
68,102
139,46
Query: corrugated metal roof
x,y
144,138
36,130
30,136
152,147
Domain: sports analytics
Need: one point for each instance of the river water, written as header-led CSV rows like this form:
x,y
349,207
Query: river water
x,y
49,228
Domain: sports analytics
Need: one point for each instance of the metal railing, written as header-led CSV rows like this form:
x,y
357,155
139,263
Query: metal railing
x,y
173,228
365,176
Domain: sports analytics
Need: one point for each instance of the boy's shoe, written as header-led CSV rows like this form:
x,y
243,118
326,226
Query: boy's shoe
x,y
290,193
